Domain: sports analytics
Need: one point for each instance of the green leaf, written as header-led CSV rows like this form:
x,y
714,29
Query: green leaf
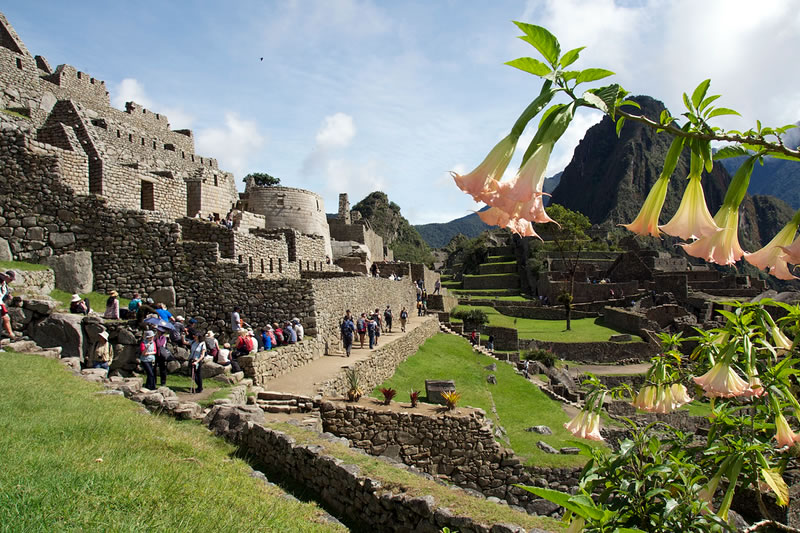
x,y
542,40
533,108
780,155
570,57
671,161
630,103
530,65
563,499
570,74
686,101
720,111
594,100
608,95
700,92
730,151
707,101
593,74
705,150
620,123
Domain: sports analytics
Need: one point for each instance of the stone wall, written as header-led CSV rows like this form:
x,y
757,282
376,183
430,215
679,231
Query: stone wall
x,y
585,292
459,446
677,284
626,320
268,364
358,231
383,361
502,281
596,352
399,269
428,276
529,309
442,302
505,339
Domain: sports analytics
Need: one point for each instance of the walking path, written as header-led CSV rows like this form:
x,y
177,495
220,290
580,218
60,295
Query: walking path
x,y
303,380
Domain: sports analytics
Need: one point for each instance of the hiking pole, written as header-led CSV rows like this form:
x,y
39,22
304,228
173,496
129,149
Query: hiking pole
x,y
192,378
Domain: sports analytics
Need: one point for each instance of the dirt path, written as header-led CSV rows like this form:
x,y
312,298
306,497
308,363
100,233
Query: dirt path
x,y
303,380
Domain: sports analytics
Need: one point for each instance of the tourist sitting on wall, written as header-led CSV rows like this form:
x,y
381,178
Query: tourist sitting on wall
x,y
177,335
271,334
224,355
133,307
112,306
212,345
374,270
403,319
147,357
78,306
298,329
361,328
289,333
5,294
164,314
100,356
280,340
266,342
197,354
348,329
147,308
473,337
244,344
253,342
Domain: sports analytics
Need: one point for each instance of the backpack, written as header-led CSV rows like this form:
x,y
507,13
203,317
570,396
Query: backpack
x,y
362,325
387,315
403,314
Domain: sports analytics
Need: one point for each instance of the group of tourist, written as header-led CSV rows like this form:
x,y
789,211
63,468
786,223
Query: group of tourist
x,y
369,325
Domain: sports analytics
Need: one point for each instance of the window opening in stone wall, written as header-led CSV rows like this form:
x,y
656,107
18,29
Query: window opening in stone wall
x,y
158,116
118,134
315,265
201,160
262,266
271,269
307,265
280,202
240,258
142,141
300,264
192,158
216,182
91,80
154,145
183,155
19,63
317,205
250,264
130,137
280,265
148,197
79,75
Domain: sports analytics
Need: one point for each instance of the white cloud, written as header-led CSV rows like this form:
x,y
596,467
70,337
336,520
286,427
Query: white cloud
x,y
233,145
336,132
131,90
358,179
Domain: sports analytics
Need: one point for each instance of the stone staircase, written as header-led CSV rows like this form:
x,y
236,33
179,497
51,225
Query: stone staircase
x,y
284,402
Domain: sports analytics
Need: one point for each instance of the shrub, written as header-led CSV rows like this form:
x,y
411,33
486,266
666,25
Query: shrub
x,y
471,316
546,357
388,394
414,395
451,399
354,393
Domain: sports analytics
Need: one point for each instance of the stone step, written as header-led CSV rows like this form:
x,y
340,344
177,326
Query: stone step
x,y
22,346
275,395
497,268
276,402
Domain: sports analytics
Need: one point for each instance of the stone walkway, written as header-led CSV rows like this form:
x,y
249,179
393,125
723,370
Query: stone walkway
x,y
303,380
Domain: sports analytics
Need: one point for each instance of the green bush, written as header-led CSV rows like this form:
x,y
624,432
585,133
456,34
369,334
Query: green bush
x,y
471,316
546,357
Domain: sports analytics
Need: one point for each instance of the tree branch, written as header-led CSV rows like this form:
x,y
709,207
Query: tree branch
x,y
772,147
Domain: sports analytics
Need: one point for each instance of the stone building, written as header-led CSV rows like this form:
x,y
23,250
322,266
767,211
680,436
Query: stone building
x,y
356,246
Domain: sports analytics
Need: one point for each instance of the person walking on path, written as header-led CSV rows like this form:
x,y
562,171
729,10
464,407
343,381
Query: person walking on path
x,y
377,318
147,357
437,287
372,330
526,367
348,329
403,319
197,354
473,337
387,317
361,328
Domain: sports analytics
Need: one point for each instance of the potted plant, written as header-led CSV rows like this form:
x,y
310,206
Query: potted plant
x,y
388,394
354,393
414,395
451,399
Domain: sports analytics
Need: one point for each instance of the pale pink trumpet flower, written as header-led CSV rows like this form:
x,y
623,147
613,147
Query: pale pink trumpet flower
x,y
779,339
783,433
722,381
646,222
692,220
482,182
646,398
496,217
721,247
521,196
680,395
585,425
754,387
773,256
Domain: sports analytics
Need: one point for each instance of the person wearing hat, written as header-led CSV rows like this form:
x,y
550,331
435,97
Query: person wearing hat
x,y
5,293
163,355
197,354
224,357
78,306
298,328
147,357
253,341
212,345
101,352
112,306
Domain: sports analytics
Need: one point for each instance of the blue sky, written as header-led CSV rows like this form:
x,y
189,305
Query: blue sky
x,y
358,95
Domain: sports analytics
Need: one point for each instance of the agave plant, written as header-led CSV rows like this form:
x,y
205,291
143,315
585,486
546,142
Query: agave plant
x,y
388,394
451,399
414,395
354,393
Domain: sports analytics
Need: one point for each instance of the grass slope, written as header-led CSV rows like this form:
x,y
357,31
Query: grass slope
x,y
519,403
583,329
156,474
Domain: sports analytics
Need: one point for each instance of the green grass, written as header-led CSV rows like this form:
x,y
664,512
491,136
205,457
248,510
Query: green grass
x,y
156,474
398,480
520,404
501,258
97,300
179,383
14,114
583,329
507,275
21,265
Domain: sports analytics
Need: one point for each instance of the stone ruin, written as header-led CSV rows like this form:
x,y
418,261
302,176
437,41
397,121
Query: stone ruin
x,y
131,198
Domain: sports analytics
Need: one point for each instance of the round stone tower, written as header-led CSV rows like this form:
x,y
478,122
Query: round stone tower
x,y
288,207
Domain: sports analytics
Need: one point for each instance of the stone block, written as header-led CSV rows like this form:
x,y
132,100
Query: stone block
x,y
60,240
209,370
5,251
621,337
164,296
541,430
546,448
59,329
20,317
73,271
93,326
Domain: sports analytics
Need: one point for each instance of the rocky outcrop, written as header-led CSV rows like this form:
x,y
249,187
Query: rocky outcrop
x,y
73,272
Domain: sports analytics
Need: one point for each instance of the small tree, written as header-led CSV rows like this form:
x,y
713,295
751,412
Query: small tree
x,y
262,179
569,240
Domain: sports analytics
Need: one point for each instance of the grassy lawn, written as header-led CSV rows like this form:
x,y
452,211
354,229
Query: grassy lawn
x,y
97,300
179,383
20,265
399,479
156,474
583,329
519,403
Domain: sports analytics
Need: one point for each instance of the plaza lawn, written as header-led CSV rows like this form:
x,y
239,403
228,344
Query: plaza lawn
x,y
519,403
97,300
75,460
21,265
583,329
